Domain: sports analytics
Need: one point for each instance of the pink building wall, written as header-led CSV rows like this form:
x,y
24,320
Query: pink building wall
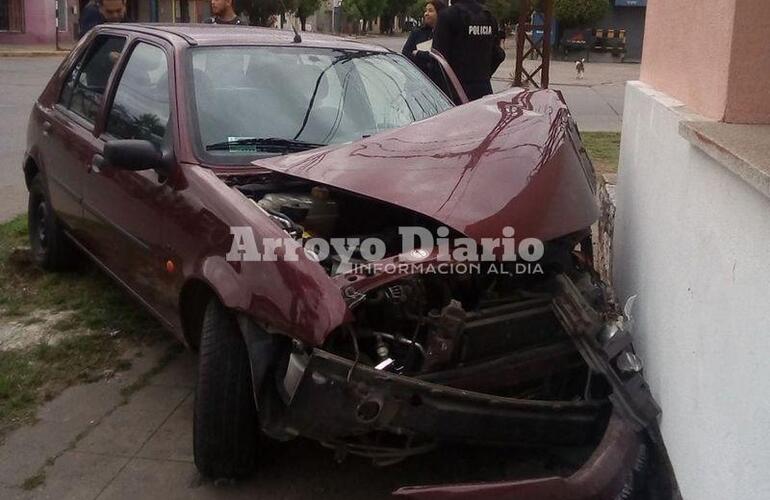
x,y
39,24
713,56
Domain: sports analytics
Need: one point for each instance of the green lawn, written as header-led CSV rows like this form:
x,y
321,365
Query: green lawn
x,y
104,323
604,150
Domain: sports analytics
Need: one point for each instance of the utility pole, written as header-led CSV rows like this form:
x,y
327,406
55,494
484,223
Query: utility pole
x,y
525,32
56,24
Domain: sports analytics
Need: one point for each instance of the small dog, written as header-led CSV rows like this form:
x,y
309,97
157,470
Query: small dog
x,y
580,68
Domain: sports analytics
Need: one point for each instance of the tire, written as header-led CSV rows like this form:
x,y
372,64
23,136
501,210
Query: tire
x,y
51,249
226,430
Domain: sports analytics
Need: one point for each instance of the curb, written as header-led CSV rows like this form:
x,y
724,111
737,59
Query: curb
x,y
33,53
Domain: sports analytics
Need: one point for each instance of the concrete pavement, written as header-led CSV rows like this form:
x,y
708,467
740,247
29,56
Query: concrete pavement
x,y
92,443
40,50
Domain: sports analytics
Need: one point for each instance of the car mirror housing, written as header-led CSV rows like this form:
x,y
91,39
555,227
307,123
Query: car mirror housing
x,y
135,154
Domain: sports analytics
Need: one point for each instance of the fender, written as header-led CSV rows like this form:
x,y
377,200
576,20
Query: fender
x,y
294,297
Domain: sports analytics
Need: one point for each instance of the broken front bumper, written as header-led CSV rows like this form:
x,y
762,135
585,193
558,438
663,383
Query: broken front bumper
x,y
335,399
619,468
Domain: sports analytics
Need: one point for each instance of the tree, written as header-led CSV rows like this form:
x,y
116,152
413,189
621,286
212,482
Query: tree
x,y
261,12
367,10
505,11
393,9
416,9
305,9
580,12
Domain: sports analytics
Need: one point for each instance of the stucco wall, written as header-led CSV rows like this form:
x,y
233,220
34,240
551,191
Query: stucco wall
x,y
687,48
714,56
39,23
691,239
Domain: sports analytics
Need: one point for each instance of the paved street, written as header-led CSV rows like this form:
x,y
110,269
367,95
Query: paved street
x,y
21,81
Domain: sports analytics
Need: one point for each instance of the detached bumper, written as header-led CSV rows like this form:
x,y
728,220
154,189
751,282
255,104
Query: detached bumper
x,y
616,470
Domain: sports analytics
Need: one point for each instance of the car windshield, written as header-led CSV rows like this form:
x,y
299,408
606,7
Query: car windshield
x,y
258,101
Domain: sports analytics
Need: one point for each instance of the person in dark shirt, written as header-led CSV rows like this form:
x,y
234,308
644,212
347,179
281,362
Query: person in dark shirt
x,y
223,13
467,36
420,35
99,12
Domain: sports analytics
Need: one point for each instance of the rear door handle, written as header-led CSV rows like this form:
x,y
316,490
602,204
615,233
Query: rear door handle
x,y
97,162
46,127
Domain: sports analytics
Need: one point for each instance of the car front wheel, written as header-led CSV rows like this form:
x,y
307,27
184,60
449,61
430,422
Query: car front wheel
x,y
226,427
50,247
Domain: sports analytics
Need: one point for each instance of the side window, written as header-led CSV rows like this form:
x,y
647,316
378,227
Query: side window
x,y
84,88
140,109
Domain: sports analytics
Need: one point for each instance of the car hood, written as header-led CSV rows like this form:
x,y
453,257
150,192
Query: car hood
x,y
510,159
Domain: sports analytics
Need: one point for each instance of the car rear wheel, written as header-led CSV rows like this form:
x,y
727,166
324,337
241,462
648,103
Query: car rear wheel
x,y
51,249
226,428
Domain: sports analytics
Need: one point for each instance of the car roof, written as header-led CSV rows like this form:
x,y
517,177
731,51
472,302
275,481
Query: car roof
x,y
222,34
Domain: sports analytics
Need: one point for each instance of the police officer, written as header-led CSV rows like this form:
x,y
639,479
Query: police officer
x,y
467,36
223,13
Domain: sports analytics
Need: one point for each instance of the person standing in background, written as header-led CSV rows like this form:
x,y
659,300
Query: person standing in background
x,y
99,12
467,36
418,44
223,13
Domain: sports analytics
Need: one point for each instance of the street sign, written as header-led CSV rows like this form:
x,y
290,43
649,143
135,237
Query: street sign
x,y
630,3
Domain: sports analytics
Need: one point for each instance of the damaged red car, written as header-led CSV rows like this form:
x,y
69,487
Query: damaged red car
x,y
179,158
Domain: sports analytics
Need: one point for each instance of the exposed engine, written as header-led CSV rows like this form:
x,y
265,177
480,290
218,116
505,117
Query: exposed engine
x,y
456,329
306,211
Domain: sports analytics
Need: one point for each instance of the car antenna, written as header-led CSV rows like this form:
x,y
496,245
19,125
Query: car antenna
x,y
297,38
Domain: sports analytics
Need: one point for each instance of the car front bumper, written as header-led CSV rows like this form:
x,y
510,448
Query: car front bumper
x,y
336,399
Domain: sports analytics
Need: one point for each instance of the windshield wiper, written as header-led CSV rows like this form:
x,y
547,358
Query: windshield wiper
x,y
264,144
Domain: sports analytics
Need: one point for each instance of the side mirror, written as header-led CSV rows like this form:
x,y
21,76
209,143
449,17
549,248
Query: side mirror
x,y
135,154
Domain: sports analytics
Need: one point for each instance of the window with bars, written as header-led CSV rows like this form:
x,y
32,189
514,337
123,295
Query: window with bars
x,y
11,15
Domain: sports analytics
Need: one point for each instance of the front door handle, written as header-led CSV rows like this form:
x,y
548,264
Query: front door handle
x,y
97,162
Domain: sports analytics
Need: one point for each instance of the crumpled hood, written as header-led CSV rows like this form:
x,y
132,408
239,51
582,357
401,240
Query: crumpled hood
x,y
510,159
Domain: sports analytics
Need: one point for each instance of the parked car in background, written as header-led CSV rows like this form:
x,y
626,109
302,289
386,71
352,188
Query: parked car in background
x,y
152,144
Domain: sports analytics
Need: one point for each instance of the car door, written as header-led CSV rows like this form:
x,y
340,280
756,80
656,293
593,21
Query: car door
x,y
68,127
125,207
448,81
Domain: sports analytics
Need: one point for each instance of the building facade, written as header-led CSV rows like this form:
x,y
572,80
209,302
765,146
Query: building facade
x,y
628,15
31,22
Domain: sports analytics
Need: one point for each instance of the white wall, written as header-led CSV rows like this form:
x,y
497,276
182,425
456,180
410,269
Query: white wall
x,y
693,240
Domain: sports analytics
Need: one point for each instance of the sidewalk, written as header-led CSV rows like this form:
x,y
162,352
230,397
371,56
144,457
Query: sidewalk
x,y
9,50
95,441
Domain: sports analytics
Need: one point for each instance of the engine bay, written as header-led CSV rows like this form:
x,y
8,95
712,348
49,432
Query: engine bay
x,y
452,328
305,210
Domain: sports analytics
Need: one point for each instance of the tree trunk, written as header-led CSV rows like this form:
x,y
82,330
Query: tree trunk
x,y
302,21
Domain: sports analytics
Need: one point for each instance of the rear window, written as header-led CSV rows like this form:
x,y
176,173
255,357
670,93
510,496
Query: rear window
x,y
84,88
